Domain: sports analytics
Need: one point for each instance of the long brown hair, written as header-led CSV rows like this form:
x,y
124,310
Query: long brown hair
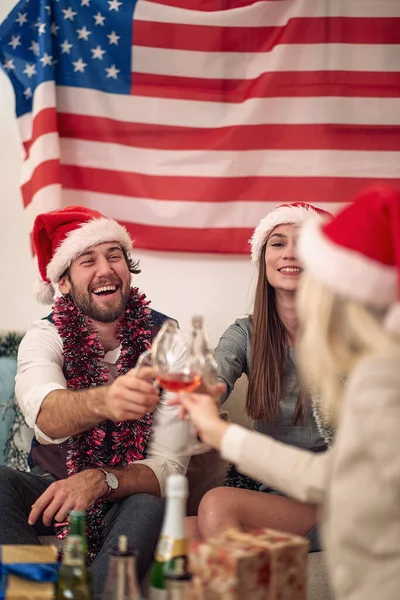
x,y
269,353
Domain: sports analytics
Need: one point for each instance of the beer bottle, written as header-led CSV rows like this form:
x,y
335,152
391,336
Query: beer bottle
x,y
72,582
77,526
172,545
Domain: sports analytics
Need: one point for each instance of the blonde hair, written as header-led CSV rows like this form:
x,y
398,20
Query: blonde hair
x,y
337,334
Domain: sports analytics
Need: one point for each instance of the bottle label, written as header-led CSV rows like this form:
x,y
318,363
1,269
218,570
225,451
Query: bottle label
x,y
169,547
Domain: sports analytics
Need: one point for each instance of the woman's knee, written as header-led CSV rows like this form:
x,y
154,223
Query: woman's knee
x,y
217,511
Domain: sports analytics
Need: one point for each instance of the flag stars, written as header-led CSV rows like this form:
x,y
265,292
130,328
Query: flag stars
x,y
48,8
21,19
9,64
30,70
15,41
46,60
97,52
69,13
113,38
83,34
28,93
66,47
54,28
85,3
112,72
79,66
34,47
99,19
114,5
42,28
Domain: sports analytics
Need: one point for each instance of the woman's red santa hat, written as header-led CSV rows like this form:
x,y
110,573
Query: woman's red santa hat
x,y
285,214
357,254
59,237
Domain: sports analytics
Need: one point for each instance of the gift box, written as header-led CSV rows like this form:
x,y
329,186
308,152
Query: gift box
x,y
28,572
252,566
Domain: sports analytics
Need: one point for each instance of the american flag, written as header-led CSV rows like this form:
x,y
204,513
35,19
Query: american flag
x,y
188,120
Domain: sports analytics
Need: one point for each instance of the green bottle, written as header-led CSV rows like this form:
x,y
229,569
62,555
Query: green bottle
x,y
172,546
77,526
72,583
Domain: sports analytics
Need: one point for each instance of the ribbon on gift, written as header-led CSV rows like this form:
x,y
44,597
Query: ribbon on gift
x,y
39,572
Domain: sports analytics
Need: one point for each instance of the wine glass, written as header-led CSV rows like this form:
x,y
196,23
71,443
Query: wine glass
x,y
182,365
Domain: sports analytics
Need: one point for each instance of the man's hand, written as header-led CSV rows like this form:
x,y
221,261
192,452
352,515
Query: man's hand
x,y
131,396
77,492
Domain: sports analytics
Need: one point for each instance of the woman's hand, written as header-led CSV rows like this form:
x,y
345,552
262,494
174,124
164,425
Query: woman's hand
x,y
203,413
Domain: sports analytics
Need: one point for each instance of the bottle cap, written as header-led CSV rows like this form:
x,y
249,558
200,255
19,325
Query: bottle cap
x,y
177,485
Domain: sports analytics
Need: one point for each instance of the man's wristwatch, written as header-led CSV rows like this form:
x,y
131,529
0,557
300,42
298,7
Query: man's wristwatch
x,y
111,480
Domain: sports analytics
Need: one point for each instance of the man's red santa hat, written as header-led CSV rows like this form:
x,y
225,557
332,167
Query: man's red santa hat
x,y
357,254
61,236
285,214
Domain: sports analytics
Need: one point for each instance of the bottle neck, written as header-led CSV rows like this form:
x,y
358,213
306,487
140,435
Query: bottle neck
x,y
174,519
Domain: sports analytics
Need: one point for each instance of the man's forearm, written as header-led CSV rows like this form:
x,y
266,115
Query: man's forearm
x,y
134,479
64,413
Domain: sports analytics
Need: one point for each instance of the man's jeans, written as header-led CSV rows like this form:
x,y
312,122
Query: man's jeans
x,y
138,516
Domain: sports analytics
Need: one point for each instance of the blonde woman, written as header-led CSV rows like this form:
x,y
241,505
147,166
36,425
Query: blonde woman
x,y
350,314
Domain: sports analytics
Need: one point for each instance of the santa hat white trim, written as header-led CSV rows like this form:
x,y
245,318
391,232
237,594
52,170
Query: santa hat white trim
x,y
282,215
88,234
345,271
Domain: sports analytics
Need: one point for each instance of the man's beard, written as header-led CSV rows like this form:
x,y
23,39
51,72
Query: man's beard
x,y
87,305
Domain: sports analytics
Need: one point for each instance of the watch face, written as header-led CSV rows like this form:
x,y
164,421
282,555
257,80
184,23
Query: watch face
x,y
112,481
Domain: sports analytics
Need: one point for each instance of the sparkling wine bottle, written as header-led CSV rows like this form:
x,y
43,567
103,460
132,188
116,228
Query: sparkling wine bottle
x,y
171,552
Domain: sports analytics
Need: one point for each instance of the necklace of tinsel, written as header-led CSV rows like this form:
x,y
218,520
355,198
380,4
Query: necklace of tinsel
x,y
108,444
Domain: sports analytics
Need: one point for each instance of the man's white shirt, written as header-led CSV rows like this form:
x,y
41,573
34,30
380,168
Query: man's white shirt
x,y
40,371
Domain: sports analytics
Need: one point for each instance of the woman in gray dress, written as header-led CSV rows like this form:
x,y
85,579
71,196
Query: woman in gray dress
x,y
263,346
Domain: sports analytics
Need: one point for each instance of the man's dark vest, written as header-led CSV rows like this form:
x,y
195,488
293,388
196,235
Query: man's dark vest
x,y
52,457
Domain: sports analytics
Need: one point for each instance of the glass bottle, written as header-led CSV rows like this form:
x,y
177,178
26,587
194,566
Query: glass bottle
x,y
72,582
121,582
179,581
172,545
77,526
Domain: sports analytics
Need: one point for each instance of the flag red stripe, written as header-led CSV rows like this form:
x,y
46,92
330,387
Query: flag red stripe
x,y
244,137
209,5
47,173
301,30
179,239
45,121
270,85
197,189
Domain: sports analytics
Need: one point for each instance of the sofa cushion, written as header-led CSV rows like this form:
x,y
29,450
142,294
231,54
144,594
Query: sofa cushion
x,y
8,369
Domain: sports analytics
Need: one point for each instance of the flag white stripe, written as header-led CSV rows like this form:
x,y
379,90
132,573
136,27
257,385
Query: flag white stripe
x,y
267,14
284,57
146,211
212,163
188,113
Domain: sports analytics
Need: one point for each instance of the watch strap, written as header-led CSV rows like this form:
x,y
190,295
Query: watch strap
x,y
108,492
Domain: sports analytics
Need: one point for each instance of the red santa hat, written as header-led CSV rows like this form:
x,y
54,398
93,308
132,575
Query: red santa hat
x,y
285,214
61,236
357,254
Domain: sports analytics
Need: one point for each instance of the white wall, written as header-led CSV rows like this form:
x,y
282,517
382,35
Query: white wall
x,y
178,284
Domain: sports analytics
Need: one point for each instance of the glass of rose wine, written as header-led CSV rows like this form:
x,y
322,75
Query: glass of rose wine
x,y
182,364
